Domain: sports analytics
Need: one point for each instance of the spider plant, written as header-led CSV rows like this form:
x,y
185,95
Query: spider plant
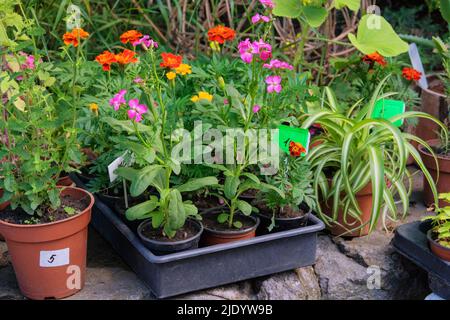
x,y
357,150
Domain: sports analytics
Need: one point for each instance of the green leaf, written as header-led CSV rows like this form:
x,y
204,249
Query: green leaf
x,y
142,210
128,173
54,197
237,224
377,173
287,8
252,177
177,213
351,4
375,34
230,187
157,219
145,178
445,9
195,184
69,210
223,217
175,166
190,209
245,207
315,16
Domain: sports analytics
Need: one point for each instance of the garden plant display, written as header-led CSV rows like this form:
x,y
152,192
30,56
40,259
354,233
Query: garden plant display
x,y
183,144
439,234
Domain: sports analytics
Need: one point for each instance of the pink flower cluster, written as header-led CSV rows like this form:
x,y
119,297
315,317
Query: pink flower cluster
x,y
260,18
278,64
273,84
29,61
136,109
267,3
146,41
248,49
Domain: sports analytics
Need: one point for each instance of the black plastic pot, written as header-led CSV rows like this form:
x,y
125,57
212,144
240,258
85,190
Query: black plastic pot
x,y
282,224
166,247
411,241
212,266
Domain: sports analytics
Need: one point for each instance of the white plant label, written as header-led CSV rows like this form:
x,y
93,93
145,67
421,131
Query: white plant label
x,y
54,258
113,166
416,62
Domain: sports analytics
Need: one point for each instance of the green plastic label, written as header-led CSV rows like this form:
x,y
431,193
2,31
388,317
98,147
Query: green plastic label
x,y
386,109
289,134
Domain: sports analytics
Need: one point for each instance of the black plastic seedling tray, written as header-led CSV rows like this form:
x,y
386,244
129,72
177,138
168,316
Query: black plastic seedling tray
x,y
411,241
207,267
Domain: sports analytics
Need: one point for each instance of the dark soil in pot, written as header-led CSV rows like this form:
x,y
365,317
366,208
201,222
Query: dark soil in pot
x,y
218,233
186,238
285,219
249,195
206,202
19,216
438,249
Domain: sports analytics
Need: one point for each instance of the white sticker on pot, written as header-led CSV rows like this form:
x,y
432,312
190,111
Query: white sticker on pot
x,y
54,258
113,166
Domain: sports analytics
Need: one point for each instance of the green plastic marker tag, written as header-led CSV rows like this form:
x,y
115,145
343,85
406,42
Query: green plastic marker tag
x,y
386,109
288,134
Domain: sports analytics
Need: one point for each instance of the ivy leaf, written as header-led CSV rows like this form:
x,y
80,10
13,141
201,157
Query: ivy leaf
x,y
375,34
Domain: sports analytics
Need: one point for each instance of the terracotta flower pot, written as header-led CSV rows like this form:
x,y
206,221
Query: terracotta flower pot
x,y
439,250
434,103
50,259
443,184
65,181
211,236
3,206
346,227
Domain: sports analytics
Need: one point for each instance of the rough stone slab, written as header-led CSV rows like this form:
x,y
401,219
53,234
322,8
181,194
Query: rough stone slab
x,y
238,291
4,257
112,284
8,285
300,284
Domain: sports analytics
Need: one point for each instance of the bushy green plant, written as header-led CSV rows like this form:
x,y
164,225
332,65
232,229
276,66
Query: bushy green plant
x,y
441,222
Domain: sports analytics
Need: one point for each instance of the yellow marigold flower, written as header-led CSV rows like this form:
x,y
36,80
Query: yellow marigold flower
x,y
195,99
171,75
93,107
184,69
202,95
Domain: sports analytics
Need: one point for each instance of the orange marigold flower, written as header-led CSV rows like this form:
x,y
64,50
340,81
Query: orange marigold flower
x,y
130,36
106,59
375,58
221,34
72,37
411,74
170,60
126,56
296,149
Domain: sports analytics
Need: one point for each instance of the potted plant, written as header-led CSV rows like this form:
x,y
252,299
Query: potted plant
x,y
294,177
439,235
360,164
439,166
170,223
45,226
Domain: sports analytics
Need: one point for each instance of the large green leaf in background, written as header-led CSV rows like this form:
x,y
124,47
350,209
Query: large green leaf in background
x,y
377,36
351,4
315,16
445,10
287,8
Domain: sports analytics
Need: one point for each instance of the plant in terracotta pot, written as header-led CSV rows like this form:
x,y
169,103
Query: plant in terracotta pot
x,y
45,226
361,164
279,213
439,165
439,235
